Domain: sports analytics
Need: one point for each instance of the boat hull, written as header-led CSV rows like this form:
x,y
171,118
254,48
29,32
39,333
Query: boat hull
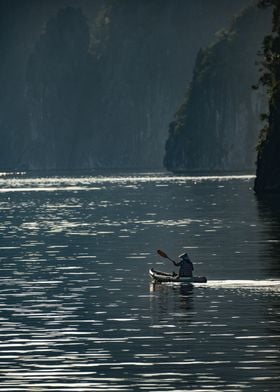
x,y
160,277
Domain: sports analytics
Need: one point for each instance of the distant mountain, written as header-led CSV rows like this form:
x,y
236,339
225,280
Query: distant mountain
x,y
93,83
217,125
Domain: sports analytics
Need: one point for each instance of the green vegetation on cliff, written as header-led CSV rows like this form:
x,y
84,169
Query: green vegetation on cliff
x,y
268,163
216,126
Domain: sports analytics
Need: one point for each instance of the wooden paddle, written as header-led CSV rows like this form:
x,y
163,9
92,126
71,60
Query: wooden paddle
x,y
163,254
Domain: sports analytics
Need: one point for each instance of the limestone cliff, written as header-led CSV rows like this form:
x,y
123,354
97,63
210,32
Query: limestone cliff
x,y
268,163
60,84
94,83
216,126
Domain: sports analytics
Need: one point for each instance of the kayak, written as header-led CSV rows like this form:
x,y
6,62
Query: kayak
x,y
160,277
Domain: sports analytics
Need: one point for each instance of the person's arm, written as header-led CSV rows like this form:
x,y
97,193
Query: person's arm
x,y
176,264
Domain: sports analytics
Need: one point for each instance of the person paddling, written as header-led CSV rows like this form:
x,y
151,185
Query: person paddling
x,y
185,271
185,264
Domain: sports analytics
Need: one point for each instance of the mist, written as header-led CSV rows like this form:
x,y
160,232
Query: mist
x,y
95,84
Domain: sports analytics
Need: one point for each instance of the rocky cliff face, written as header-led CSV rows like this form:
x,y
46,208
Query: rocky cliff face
x,y
216,127
88,84
60,86
268,163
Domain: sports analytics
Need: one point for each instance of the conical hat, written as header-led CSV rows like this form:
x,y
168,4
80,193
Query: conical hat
x,y
184,256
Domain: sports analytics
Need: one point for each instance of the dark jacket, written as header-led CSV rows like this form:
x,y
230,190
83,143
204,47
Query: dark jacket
x,y
186,267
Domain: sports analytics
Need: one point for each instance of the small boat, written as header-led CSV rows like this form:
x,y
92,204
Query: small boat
x,y
159,277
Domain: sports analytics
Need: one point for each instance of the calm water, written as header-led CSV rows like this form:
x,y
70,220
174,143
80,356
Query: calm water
x,y
78,311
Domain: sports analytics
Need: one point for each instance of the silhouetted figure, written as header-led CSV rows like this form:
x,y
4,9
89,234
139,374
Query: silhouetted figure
x,y
185,264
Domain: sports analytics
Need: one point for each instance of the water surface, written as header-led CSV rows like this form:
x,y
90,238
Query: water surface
x,y
78,311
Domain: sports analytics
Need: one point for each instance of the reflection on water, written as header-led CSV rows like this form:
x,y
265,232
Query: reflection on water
x,y
269,212
77,308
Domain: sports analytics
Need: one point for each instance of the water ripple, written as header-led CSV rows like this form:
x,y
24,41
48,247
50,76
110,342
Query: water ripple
x,y
77,312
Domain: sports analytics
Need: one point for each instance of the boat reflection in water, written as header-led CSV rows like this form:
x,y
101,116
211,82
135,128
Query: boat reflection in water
x,y
173,296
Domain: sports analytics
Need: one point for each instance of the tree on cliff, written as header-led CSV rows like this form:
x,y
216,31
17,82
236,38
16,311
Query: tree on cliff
x,y
268,163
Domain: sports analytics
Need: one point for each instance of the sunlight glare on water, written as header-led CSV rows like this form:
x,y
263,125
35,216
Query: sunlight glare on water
x,y
78,309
